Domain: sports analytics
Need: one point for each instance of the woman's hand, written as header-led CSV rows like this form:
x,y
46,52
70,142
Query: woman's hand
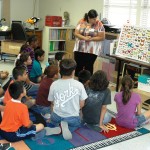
x,y
104,128
87,38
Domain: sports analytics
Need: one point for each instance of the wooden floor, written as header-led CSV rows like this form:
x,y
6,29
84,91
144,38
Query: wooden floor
x,y
17,145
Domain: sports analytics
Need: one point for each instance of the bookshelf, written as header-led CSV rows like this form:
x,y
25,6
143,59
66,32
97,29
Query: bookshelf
x,y
55,38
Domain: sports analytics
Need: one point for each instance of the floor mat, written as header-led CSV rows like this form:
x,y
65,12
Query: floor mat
x,y
49,142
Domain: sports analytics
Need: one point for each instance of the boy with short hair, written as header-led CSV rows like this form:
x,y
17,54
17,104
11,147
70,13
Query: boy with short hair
x,y
84,77
16,124
36,71
19,74
68,96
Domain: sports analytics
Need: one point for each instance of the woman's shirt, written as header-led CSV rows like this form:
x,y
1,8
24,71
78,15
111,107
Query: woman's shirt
x,y
85,29
126,113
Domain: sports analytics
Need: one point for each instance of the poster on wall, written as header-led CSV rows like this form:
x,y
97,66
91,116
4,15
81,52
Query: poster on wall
x,y
134,43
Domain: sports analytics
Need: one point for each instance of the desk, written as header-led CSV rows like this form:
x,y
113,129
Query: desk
x,y
128,60
5,33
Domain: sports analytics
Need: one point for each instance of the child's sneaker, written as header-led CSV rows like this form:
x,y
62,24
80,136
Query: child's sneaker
x,y
65,131
51,131
39,135
46,116
5,146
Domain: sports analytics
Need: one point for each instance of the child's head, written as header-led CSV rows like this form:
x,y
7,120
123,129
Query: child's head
x,y
84,76
127,84
52,71
59,56
33,41
67,66
16,90
99,81
19,73
39,54
24,59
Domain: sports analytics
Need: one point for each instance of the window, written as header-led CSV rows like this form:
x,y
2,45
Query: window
x,y
145,13
119,11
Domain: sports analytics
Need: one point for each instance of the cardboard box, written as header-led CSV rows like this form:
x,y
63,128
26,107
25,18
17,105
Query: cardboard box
x,y
11,47
144,83
53,21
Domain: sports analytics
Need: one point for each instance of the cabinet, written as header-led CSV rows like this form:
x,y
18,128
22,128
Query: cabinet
x,y
38,34
55,38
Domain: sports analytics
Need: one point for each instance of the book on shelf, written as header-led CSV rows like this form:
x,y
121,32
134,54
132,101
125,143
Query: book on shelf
x,y
57,46
63,34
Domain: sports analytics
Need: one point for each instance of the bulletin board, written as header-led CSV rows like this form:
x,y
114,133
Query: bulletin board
x,y
134,43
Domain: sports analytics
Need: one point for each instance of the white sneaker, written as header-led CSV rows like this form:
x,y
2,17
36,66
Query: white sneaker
x,y
52,131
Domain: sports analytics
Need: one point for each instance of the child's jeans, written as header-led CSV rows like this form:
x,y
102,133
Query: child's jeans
x,y
33,91
41,109
74,122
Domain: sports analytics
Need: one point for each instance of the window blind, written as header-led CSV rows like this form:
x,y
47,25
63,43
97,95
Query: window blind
x,y
145,13
118,11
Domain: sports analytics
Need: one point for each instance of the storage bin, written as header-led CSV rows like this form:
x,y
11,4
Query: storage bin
x,y
53,21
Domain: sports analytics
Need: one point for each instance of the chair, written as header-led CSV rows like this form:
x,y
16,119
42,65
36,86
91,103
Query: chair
x,y
18,32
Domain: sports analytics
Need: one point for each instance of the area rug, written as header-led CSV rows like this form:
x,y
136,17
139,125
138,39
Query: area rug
x,y
85,138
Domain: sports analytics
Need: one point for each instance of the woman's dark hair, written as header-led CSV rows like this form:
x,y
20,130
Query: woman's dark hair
x,y
59,55
18,71
91,14
67,66
98,81
84,76
23,58
15,89
50,71
127,85
38,53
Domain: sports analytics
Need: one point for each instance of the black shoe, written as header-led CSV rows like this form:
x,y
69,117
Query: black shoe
x,y
5,146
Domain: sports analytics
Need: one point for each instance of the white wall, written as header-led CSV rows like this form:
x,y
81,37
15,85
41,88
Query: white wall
x,y
23,9
76,8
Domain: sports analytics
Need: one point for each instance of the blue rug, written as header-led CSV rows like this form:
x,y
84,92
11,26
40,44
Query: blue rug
x,y
49,142
83,137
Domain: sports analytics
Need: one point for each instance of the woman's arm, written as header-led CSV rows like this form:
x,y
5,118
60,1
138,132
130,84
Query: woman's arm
x,y
99,37
80,36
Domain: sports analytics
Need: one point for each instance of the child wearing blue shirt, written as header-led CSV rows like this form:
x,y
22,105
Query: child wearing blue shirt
x,y
36,71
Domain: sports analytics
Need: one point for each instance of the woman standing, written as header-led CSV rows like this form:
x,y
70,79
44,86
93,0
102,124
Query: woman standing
x,y
89,34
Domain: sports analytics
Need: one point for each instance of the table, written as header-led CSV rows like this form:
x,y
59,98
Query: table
x,y
128,60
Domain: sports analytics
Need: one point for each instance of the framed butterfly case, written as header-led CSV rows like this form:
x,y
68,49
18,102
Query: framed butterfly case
x,y
134,43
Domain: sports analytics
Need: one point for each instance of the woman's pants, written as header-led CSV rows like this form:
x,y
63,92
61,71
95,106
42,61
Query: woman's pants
x,y
84,61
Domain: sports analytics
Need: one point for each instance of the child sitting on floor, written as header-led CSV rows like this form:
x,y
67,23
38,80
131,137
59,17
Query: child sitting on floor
x,y
128,106
68,96
99,96
31,88
84,77
36,71
16,124
19,74
42,103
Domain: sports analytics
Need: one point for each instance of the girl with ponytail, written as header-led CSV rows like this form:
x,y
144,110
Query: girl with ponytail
x,y
128,106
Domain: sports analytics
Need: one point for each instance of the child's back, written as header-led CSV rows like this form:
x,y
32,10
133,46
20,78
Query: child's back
x,y
125,116
68,96
129,106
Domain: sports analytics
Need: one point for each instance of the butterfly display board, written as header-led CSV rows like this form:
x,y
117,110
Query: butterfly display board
x,y
134,43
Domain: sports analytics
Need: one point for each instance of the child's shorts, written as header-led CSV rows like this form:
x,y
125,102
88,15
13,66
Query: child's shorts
x,y
22,133
141,119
